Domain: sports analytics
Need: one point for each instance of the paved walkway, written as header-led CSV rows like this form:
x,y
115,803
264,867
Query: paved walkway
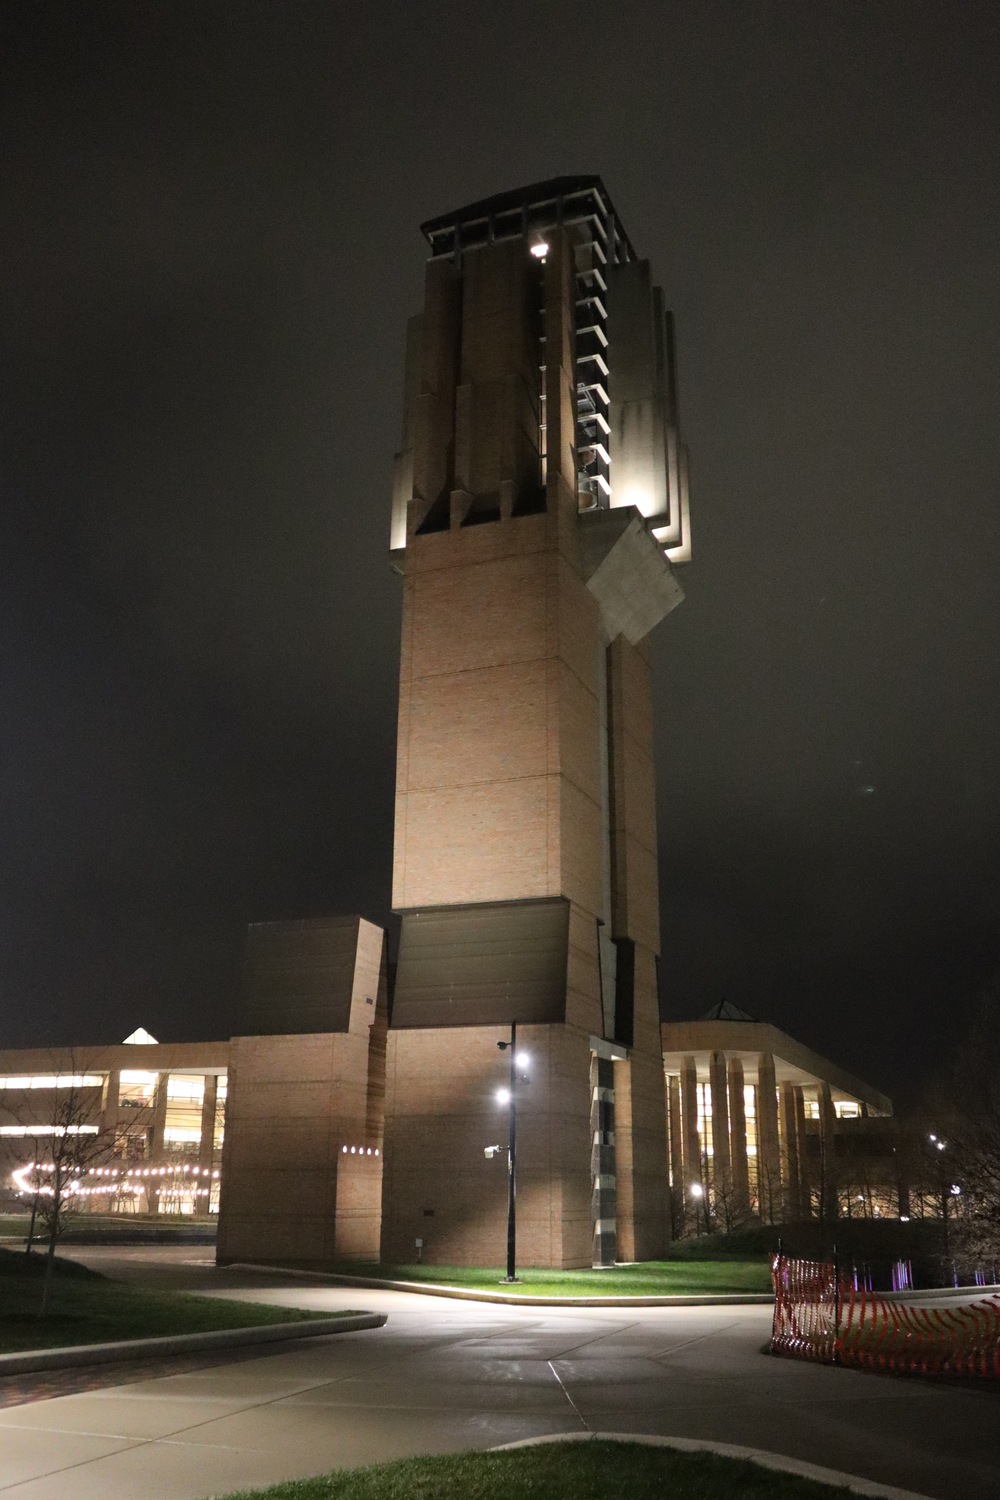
x,y
443,1376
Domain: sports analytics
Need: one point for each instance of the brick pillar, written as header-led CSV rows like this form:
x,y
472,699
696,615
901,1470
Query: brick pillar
x,y
768,1152
738,1140
791,1180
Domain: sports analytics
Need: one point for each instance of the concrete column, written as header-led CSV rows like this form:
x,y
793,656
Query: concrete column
x,y
689,1112
109,1110
676,1156
720,1118
738,1139
790,1180
156,1140
720,1170
805,1167
768,1152
206,1146
827,1127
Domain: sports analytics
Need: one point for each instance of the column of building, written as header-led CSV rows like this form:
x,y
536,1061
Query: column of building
x,y
109,1108
790,1146
722,1179
156,1137
209,1103
829,1196
805,1170
690,1144
738,1141
675,1133
768,1148
602,1125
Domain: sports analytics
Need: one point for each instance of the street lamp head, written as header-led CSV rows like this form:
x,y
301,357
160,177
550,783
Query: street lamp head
x,y
503,1096
523,1059
697,1191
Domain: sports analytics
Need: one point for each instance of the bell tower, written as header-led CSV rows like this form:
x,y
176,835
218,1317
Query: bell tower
x,y
539,510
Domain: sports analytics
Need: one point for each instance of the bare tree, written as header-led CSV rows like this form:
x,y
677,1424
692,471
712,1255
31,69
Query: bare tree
x,y
967,1148
78,1138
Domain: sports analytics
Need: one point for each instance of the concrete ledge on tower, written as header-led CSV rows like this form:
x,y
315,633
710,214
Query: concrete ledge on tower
x,y
626,572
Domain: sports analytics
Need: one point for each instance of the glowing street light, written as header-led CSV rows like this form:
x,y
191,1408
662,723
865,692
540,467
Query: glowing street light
x,y
540,250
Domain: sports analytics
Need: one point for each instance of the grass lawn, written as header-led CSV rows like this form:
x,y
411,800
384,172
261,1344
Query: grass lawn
x,y
86,1308
555,1471
652,1278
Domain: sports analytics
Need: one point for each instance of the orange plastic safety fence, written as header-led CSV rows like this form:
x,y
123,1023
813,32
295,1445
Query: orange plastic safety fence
x,y
814,1318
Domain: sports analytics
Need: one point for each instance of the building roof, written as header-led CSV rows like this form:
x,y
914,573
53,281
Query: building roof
x,y
157,1057
746,1041
726,1011
535,194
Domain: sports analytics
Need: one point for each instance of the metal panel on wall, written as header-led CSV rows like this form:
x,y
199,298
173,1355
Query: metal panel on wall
x,y
299,977
483,965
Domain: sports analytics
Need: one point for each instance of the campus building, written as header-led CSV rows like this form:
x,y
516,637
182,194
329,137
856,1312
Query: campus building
x,y
138,1127
758,1125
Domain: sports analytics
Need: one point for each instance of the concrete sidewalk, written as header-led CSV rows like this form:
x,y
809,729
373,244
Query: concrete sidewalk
x,y
444,1376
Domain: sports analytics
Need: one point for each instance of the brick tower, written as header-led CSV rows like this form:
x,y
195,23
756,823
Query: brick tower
x,y
540,499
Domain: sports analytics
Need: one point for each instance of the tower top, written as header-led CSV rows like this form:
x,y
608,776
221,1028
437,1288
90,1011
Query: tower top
x,y
502,315
531,211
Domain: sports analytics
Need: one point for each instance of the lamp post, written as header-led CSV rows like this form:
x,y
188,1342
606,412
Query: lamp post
x,y
508,1096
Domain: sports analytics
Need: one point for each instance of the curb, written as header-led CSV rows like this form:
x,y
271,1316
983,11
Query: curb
x,y
760,1456
943,1293
24,1362
509,1299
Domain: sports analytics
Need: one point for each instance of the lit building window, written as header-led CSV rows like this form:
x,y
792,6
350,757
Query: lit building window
x,y
136,1088
54,1081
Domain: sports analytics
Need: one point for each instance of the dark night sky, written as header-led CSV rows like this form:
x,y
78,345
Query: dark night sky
x,y
209,249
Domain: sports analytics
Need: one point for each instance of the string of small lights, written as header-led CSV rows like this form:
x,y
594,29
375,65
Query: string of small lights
x,y
116,1178
112,1178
